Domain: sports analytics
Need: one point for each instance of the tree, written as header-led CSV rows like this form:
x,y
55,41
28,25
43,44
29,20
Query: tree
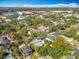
x,y
25,40
72,20
47,44
43,51
2,53
0,33
15,50
76,37
35,48
77,57
60,48
16,38
50,29
23,31
37,34
70,33
61,26
35,55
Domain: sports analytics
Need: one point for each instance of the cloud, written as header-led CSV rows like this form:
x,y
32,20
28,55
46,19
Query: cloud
x,y
54,5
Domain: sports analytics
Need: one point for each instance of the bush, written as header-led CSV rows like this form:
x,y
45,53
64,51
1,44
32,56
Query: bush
x,y
43,51
76,37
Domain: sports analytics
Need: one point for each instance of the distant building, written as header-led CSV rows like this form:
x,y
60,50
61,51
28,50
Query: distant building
x,y
20,13
24,12
27,12
7,20
20,17
62,11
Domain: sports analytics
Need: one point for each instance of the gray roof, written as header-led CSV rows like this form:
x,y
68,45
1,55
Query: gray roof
x,y
76,52
58,32
4,41
9,57
25,50
50,38
69,57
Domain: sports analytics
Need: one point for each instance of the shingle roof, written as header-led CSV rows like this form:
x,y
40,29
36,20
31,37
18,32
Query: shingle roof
x,y
25,49
58,33
69,57
9,57
4,40
50,38
76,52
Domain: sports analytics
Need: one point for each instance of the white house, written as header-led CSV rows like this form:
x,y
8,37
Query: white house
x,y
20,17
38,42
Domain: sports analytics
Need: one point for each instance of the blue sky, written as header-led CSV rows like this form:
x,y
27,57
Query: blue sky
x,y
39,3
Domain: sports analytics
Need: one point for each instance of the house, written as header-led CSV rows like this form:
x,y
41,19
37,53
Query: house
x,y
3,17
20,17
29,31
60,32
20,13
23,22
27,12
9,57
69,57
50,38
68,15
45,57
55,23
61,11
40,16
43,28
53,35
76,15
75,52
25,50
7,20
4,40
38,42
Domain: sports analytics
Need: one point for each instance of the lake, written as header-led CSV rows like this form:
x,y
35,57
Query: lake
x,y
14,12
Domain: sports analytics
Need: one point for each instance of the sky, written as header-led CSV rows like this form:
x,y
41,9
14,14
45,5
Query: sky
x,y
39,3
